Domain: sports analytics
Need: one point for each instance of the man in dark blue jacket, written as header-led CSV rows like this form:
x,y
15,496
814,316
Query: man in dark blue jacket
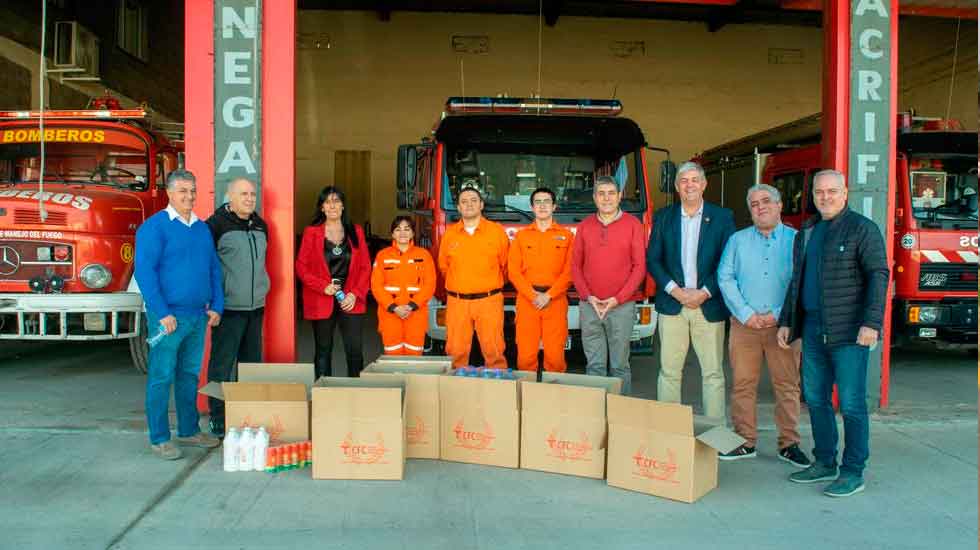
x,y
683,257
836,303
179,275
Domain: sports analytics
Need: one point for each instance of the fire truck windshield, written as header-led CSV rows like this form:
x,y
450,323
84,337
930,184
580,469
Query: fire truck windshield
x,y
943,191
506,179
106,157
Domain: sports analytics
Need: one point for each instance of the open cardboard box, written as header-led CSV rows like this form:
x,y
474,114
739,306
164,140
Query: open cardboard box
x,y
663,450
480,420
358,428
274,395
421,379
563,423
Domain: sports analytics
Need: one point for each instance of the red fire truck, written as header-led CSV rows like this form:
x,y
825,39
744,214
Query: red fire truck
x,y
935,238
507,147
68,219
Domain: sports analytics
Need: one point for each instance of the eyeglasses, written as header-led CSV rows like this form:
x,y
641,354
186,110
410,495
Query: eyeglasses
x,y
543,202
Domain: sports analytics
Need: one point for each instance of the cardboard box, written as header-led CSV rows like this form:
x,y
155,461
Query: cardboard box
x,y
661,449
563,423
358,428
276,373
421,379
480,420
268,394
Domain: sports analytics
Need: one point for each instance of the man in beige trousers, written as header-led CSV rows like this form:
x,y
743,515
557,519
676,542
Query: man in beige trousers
x,y
685,247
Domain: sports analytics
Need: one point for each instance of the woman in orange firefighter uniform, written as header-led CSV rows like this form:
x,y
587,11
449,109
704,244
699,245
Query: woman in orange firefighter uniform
x,y
540,268
473,260
402,281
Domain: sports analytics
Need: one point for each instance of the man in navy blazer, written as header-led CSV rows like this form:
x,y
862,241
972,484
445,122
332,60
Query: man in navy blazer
x,y
683,257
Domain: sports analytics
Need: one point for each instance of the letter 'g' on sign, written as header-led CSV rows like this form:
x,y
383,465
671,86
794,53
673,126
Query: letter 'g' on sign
x,y
246,115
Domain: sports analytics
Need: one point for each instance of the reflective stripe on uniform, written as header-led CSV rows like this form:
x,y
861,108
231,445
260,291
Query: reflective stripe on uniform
x,y
396,346
411,347
393,288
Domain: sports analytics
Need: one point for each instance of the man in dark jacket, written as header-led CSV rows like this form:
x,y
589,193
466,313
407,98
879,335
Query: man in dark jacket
x,y
683,257
240,237
836,303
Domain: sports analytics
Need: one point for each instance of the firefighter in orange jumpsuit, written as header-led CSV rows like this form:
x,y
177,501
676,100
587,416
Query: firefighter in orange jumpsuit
x,y
402,281
473,261
540,268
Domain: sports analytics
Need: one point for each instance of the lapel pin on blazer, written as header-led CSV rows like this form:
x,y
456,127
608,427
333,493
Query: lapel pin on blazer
x,y
707,219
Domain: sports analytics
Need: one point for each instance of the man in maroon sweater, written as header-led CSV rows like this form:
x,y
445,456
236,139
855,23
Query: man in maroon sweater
x,y
608,267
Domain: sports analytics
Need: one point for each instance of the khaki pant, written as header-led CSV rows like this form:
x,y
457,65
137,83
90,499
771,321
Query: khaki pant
x,y
746,347
677,332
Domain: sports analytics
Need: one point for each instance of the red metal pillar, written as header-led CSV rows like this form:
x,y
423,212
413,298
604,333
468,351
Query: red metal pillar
x,y
886,339
836,83
836,126
279,174
278,23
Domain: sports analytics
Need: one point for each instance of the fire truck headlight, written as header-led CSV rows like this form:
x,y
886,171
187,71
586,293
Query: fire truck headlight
x,y
37,284
928,314
95,276
56,283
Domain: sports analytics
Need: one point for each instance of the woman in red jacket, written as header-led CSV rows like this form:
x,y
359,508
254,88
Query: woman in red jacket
x,y
334,266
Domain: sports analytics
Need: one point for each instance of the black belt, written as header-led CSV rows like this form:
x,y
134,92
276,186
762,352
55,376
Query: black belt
x,y
475,295
541,288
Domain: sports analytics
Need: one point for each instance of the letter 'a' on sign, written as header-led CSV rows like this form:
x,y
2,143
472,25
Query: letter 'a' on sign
x,y
236,157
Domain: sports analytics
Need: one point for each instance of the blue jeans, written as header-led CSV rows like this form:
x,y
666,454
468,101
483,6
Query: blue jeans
x,y
847,365
176,361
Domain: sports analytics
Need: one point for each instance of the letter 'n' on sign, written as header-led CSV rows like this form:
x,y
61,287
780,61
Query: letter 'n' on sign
x,y
237,94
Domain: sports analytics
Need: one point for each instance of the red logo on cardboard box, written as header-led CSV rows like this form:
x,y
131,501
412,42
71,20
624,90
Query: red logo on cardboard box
x,y
356,453
275,430
565,449
417,433
474,440
656,468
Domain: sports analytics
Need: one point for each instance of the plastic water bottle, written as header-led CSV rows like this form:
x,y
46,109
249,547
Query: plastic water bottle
x,y
230,449
156,338
261,446
340,294
246,450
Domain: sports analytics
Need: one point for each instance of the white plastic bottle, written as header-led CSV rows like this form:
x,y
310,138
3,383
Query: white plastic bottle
x,y
261,446
246,450
230,450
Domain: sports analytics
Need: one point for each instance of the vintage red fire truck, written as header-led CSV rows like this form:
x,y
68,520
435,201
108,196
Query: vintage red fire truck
x,y
68,219
935,237
507,147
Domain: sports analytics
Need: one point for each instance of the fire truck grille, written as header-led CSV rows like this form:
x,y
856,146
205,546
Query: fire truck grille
x,y
948,277
33,217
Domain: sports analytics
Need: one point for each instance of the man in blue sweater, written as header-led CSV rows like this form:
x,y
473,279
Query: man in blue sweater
x,y
179,274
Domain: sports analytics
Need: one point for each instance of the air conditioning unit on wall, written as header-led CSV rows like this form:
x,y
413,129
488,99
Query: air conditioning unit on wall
x,y
76,52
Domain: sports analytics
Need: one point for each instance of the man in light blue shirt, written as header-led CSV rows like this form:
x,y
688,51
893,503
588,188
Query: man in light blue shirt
x,y
756,268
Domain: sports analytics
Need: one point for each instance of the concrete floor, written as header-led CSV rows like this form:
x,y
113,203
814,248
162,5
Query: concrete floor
x,y
78,474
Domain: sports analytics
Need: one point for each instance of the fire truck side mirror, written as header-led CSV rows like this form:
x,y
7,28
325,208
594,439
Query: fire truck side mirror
x,y
407,157
668,171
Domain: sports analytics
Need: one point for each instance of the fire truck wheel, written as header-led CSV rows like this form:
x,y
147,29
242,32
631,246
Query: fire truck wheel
x,y
138,349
